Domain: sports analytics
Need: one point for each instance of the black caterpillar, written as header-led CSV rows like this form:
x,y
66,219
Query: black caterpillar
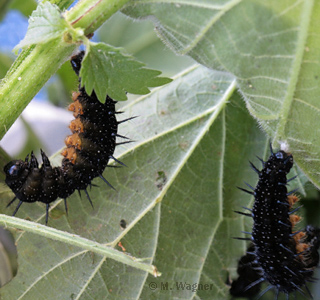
x,y
248,271
88,151
280,256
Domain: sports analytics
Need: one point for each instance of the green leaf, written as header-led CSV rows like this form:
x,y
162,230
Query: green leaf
x,y
272,47
171,197
46,23
107,71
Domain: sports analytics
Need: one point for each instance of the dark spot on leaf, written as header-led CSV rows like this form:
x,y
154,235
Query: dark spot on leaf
x,y
161,180
249,84
163,112
123,224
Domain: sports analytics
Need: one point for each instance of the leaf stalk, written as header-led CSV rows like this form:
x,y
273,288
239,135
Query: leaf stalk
x,y
78,241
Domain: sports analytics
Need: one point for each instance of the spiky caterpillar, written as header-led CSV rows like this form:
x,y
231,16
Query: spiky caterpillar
x,y
283,257
87,152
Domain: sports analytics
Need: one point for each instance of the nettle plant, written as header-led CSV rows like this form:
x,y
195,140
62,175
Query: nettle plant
x,y
255,79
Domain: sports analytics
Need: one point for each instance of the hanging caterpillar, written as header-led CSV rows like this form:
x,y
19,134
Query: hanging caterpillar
x,y
87,153
279,255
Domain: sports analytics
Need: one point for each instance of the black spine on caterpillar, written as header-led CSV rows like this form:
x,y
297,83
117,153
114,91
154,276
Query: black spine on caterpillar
x,y
88,151
285,257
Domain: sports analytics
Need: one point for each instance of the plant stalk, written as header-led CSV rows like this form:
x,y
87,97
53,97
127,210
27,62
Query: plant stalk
x,y
91,14
78,241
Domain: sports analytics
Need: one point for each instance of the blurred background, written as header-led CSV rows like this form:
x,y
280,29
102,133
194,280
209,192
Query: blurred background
x,y
44,123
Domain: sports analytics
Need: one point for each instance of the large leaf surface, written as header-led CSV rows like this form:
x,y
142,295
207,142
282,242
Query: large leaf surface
x,y
273,49
171,197
192,146
177,198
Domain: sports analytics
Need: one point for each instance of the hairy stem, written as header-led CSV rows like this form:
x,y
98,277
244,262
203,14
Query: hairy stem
x,y
91,14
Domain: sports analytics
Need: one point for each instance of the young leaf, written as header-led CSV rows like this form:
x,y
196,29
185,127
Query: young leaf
x,y
106,70
45,24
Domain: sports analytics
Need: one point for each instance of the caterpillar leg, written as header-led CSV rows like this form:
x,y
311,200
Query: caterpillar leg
x,y
47,213
17,208
65,205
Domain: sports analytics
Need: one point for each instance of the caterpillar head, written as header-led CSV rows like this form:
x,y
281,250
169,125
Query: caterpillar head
x,y
280,162
16,172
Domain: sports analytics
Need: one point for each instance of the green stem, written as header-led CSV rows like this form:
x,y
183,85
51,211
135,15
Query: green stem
x,y
91,14
78,241
24,81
